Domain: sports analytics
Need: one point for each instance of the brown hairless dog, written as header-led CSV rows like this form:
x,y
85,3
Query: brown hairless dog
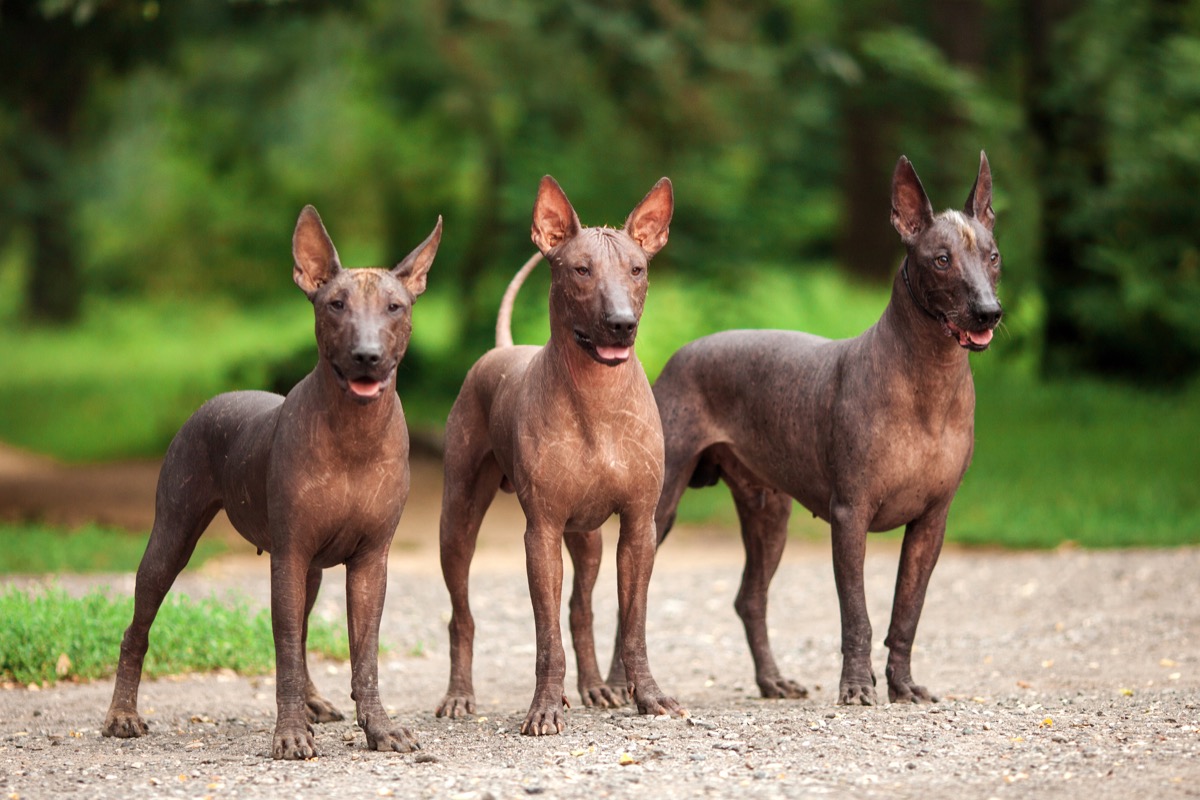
x,y
572,429
869,433
316,479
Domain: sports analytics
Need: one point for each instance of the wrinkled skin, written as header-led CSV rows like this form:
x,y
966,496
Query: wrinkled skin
x,y
869,434
317,478
572,429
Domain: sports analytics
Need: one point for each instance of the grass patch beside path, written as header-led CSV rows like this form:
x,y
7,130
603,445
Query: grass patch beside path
x,y
37,549
50,636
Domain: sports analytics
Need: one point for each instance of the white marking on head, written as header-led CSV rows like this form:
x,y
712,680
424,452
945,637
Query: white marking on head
x,y
960,221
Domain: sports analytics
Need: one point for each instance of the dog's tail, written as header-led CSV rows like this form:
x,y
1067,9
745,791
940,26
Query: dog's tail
x,y
504,319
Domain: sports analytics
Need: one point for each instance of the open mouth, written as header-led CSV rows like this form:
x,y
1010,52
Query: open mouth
x,y
608,355
361,387
976,341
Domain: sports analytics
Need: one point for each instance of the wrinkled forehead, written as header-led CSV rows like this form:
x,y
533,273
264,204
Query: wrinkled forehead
x,y
366,282
955,229
599,247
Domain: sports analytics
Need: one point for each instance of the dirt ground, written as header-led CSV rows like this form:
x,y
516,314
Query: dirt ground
x,y
1071,674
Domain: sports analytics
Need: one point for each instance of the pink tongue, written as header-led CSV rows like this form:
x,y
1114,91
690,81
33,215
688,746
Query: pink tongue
x,y
613,353
979,337
365,388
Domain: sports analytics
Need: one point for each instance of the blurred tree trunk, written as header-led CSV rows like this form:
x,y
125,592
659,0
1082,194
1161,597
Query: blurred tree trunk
x,y
958,28
866,244
1070,158
45,76
53,287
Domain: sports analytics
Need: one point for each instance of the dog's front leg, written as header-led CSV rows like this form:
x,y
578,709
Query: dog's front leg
x,y
849,536
635,562
293,734
585,550
918,556
366,587
319,709
543,562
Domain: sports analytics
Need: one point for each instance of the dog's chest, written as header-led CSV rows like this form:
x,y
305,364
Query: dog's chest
x,y
918,469
584,479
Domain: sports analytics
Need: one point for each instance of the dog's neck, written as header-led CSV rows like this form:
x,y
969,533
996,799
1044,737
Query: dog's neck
x,y
586,379
358,424
916,334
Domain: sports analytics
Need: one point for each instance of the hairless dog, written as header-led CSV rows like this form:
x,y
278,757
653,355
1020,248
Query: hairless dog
x,y
317,478
868,433
572,429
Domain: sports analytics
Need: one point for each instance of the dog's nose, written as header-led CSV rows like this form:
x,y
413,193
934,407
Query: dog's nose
x,y
621,323
367,356
988,314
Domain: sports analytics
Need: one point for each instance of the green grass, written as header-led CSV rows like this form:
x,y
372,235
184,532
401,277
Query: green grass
x,y
36,549
122,381
188,636
1081,461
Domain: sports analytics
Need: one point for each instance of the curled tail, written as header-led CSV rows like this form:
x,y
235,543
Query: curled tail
x,y
504,319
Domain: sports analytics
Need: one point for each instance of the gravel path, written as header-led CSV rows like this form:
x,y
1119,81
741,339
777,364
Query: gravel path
x,y
1070,674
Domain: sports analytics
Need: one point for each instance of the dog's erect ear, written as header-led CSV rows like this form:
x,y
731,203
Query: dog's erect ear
x,y
315,261
911,210
650,222
415,266
979,201
554,220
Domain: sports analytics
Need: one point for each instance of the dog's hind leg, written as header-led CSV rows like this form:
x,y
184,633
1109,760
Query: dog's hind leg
x,y
319,709
585,550
187,500
469,490
763,514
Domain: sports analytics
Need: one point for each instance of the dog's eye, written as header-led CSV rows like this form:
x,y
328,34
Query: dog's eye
x,y
636,271
583,271
942,261
394,308
337,305
995,258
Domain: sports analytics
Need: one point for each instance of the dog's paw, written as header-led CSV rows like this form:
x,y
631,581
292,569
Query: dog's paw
x,y
652,701
456,705
397,739
545,718
909,692
319,709
779,688
601,696
293,743
124,725
857,693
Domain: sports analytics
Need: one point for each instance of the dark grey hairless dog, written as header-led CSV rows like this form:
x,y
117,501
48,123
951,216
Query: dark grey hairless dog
x,y
316,479
869,433
572,429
